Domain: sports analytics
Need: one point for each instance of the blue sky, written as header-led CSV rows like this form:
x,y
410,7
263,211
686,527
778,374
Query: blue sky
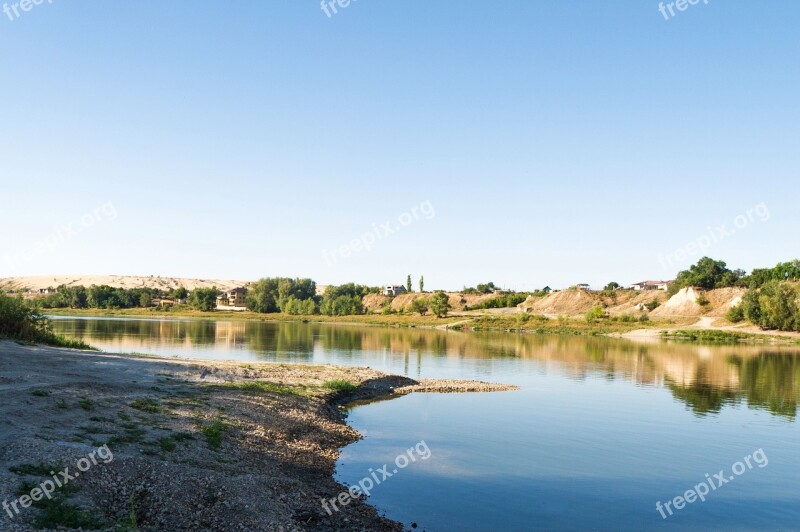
x,y
556,142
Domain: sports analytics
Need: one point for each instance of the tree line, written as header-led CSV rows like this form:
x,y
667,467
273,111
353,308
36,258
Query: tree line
x,y
772,300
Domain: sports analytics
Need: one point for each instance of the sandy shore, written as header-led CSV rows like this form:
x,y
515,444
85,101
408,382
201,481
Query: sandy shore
x,y
196,444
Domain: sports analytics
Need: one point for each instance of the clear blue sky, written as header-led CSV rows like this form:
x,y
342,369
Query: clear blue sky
x,y
557,142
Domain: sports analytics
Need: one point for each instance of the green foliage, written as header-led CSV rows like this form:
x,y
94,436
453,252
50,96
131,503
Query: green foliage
x,y
204,299
504,301
296,306
421,284
340,386
146,405
595,314
419,305
703,301
408,283
783,271
179,293
736,314
706,274
213,434
652,305
440,304
21,320
773,306
270,295
612,286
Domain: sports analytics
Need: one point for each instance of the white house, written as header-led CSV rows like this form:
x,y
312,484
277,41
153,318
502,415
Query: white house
x,y
651,285
394,290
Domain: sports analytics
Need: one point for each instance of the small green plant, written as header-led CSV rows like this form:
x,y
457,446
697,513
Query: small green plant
x,y
256,387
167,444
86,404
340,386
652,305
38,470
146,405
703,301
62,403
213,434
596,313
40,393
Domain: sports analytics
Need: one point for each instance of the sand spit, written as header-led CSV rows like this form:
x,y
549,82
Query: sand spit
x,y
196,445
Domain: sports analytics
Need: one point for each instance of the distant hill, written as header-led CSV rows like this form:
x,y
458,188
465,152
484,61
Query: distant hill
x,y
117,281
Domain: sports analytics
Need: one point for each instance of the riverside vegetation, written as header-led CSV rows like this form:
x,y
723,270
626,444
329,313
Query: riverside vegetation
x,y
771,302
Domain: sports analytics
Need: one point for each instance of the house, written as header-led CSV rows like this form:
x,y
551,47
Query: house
x,y
651,285
394,290
583,286
547,289
232,298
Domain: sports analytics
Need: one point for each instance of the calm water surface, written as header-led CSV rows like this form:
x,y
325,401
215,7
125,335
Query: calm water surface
x,y
601,430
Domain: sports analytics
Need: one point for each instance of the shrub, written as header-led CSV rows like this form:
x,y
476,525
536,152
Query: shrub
x,y
736,314
652,305
702,301
419,305
440,304
595,314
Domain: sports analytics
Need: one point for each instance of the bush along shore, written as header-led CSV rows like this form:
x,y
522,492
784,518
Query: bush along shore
x,y
21,321
195,445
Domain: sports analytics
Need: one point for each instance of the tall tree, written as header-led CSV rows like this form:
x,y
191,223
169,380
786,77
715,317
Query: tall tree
x,y
422,284
408,282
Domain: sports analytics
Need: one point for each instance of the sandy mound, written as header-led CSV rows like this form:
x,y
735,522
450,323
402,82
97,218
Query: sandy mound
x,y
115,281
631,302
722,299
375,302
567,302
684,303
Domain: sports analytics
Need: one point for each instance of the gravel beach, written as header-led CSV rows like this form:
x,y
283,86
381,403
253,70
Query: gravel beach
x,y
195,444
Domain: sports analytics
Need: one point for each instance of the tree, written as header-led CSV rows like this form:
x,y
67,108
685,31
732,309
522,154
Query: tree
x,y
419,305
440,304
408,283
421,284
612,286
263,296
706,274
180,293
204,299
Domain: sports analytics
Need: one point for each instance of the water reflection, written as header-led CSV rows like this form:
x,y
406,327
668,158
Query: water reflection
x,y
706,379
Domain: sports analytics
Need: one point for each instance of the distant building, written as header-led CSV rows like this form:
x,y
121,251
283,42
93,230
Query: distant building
x,y
583,286
651,285
232,298
394,290
547,289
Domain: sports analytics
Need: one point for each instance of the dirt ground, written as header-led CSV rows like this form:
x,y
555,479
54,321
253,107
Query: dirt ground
x,y
196,445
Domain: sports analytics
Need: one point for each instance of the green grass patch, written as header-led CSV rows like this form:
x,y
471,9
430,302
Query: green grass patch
x,y
146,405
340,386
167,444
37,470
257,387
40,393
213,434
709,336
86,404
